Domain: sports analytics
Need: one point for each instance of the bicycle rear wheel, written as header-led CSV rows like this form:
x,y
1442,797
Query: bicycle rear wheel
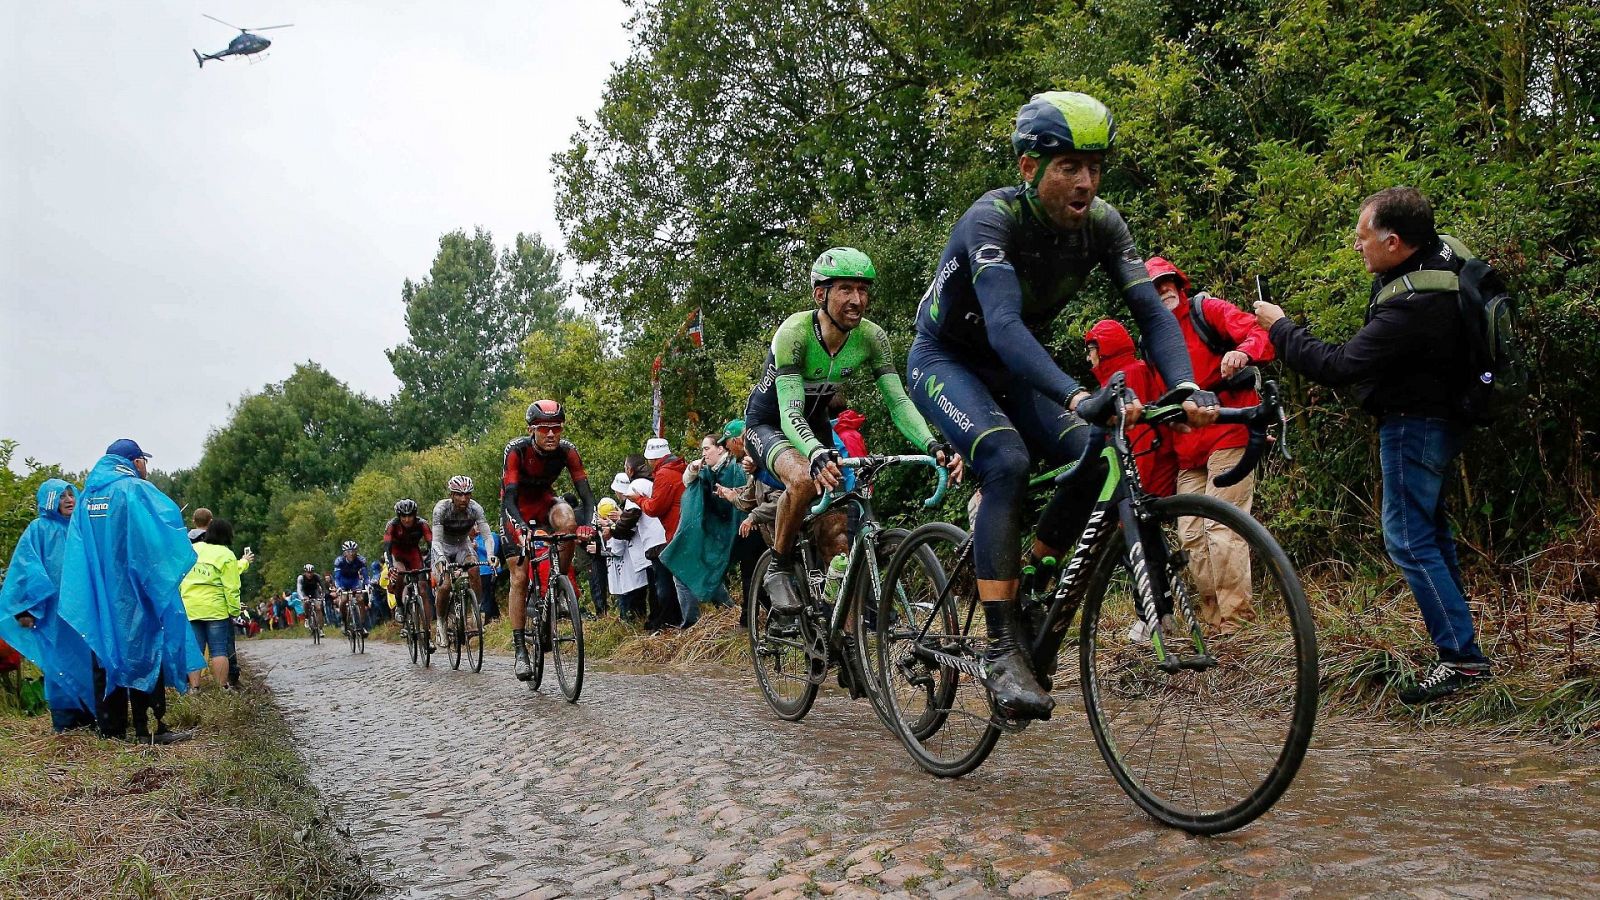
x,y
1211,746
536,630
930,639
566,640
777,650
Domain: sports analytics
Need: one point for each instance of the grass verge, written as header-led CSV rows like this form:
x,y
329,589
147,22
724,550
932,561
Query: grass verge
x,y
228,814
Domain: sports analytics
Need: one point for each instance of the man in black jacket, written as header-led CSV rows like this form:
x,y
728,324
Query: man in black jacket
x,y
1408,365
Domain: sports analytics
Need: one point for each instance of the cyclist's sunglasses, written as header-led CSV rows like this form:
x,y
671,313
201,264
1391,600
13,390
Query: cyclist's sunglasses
x,y
548,429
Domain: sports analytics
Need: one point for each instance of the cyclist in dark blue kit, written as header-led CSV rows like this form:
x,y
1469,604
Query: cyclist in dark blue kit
x,y
350,574
980,375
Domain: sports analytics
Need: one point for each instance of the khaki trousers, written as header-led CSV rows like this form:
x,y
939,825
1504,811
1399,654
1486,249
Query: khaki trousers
x,y
1218,557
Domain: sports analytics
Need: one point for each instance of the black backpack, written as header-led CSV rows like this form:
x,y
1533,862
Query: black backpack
x,y
1217,343
1498,382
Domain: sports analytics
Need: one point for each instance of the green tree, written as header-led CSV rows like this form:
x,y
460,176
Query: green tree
x,y
466,319
18,503
300,529
307,432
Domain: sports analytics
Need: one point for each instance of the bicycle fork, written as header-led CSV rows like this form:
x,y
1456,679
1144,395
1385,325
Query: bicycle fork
x,y
1156,586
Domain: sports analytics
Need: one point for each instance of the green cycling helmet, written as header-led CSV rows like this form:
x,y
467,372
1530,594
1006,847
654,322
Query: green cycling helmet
x,y
1061,121
842,262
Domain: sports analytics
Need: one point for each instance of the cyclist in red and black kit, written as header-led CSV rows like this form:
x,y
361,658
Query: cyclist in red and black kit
x,y
402,550
528,500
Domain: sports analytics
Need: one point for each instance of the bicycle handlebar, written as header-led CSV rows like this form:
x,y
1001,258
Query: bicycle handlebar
x,y
873,463
1105,407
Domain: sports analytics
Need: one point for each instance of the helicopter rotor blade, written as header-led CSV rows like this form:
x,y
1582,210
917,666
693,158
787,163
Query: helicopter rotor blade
x,y
270,27
215,19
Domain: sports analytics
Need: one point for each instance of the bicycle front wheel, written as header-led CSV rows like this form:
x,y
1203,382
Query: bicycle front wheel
x,y
472,634
865,618
454,637
1209,746
931,636
566,640
777,649
536,632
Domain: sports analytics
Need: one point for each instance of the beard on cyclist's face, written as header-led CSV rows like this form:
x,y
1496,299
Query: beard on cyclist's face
x,y
1070,183
545,437
460,500
846,300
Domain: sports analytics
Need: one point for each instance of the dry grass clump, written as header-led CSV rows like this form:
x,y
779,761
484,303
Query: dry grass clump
x,y
228,814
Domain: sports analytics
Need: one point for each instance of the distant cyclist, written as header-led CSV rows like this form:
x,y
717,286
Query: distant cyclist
x,y
528,500
310,587
787,430
350,574
403,538
982,376
455,520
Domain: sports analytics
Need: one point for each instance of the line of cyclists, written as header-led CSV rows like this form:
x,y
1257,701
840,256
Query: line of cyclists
x,y
1014,261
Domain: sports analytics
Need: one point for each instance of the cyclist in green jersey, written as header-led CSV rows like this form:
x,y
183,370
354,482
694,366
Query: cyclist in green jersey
x,y
786,419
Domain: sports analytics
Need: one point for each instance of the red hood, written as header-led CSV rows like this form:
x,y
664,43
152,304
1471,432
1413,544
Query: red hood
x,y
1116,347
849,420
1159,268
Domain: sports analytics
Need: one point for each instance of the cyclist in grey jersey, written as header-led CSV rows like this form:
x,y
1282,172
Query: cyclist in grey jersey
x,y
455,520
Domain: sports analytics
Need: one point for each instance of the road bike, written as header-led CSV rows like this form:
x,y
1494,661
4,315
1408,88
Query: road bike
x,y
792,655
1203,724
553,615
350,612
313,616
409,611
463,621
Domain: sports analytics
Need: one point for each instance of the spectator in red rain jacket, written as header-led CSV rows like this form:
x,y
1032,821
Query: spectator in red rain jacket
x,y
847,426
1219,557
1111,351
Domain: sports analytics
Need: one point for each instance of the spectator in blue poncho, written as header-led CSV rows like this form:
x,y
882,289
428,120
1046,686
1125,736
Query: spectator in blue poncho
x,y
127,551
29,613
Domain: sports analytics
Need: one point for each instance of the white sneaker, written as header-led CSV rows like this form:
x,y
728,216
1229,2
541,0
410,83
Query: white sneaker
x,y
1139,632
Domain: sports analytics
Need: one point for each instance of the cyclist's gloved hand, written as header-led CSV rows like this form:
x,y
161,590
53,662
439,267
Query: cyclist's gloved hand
x,y
586,531
825,468
945,453
493,561
1098,407
1202,407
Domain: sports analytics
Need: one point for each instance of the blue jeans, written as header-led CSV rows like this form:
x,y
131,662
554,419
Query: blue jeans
x,y
1416,454
215,637
690,604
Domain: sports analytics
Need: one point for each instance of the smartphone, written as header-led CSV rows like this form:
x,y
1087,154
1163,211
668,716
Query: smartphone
x,y
1263,292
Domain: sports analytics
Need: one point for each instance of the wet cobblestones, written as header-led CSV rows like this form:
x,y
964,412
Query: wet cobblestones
x,y
668,785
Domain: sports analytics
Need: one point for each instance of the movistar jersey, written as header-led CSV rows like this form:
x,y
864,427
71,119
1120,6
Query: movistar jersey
x,y
801,376
1005,275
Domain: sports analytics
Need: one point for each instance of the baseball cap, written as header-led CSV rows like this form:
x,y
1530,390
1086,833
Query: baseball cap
x,y
127,448
622,484
655,448
734,428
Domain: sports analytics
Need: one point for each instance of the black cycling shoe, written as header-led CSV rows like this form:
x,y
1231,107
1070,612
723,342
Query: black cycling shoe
x,y
1009,677
524,665
1443,680
781,593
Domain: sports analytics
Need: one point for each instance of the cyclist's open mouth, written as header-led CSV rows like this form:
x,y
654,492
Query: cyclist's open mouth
x,y
1078,207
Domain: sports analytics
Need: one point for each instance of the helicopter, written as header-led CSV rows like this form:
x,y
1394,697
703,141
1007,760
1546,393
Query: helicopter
x,y
248,43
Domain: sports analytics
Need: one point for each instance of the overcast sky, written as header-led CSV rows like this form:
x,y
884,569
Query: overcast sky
x,y
173,237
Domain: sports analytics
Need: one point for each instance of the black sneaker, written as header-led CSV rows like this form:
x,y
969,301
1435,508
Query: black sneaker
x,y
1443,680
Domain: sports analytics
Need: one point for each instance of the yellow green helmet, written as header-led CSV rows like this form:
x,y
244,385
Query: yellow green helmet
x,y
842,262
1061,121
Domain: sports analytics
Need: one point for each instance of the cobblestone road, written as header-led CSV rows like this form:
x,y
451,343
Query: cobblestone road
x,y
676,785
